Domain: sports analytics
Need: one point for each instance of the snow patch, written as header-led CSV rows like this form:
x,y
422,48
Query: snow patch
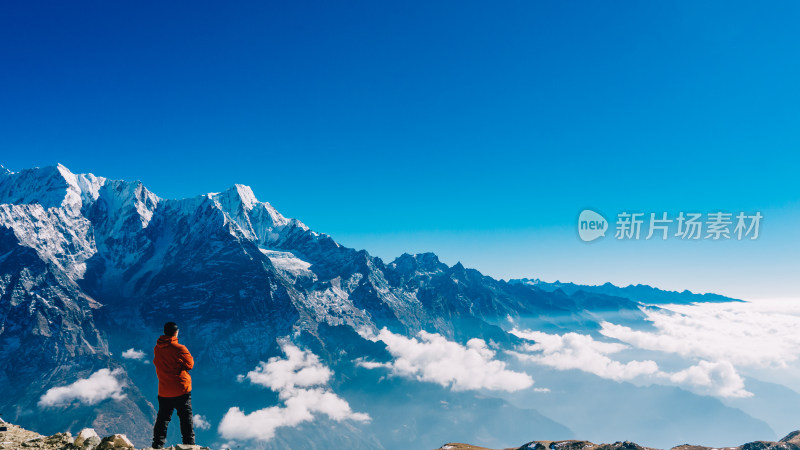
x,y
288,262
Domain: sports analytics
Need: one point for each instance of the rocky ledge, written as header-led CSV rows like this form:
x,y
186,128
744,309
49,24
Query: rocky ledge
x,y
12,436
790,442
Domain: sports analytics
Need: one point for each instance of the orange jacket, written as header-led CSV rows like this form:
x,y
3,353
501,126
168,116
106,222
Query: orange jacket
x,y
172,361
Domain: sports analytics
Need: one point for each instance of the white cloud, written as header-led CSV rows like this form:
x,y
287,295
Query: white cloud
x,y
372,365
435,359
299,369
301,381
760,335
100,386
714,378
134,354
582,352
200,422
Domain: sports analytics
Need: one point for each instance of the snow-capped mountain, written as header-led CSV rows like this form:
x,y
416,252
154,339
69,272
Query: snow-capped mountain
x,y
92,267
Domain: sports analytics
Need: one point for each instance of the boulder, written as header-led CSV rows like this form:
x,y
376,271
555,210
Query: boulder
x,y
84,436
182,447
59,439
91,443
116,441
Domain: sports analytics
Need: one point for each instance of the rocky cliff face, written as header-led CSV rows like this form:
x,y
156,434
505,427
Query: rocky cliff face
x,y
47,321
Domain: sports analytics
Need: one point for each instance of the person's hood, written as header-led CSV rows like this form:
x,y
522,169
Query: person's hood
x,y
166,341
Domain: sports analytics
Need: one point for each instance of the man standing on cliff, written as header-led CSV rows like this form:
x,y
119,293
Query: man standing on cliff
x,y
173,362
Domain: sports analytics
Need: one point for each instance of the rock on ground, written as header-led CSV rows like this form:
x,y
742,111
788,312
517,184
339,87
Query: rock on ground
x,y
790,442
19,438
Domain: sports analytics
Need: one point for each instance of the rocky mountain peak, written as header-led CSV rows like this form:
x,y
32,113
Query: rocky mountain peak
x,y
420,262
50,187
237,197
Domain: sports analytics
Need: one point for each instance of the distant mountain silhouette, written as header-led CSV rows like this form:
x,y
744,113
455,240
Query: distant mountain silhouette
x,y
638,293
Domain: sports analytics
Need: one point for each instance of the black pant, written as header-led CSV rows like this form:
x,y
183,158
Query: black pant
x,y
165,406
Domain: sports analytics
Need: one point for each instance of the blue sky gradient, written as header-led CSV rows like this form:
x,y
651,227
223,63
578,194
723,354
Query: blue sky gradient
x,y
475,130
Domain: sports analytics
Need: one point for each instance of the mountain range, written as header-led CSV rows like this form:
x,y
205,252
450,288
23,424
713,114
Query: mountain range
x,y
91,268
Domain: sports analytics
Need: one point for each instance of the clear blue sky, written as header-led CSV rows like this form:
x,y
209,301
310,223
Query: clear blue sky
x,y
478,130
